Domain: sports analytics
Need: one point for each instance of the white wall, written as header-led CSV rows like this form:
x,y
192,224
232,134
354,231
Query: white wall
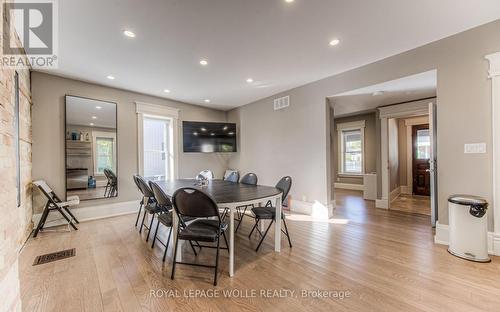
x,y
292,141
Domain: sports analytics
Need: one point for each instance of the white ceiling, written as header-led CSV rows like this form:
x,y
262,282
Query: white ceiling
x,y
280,45
79,112
410,88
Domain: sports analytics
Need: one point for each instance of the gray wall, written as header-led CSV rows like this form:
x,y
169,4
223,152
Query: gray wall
x,y
48,133
370,152
295,140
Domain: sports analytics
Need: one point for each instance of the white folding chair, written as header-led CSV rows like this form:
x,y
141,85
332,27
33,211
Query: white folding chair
x,y
55,203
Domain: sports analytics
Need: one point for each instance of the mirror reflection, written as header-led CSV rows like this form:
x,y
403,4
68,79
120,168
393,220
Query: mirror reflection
x,y
91,158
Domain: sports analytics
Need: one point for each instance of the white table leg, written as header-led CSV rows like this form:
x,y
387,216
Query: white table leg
x,y
277,230
231,241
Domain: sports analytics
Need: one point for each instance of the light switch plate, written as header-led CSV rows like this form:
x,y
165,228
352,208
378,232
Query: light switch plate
x,y
475,148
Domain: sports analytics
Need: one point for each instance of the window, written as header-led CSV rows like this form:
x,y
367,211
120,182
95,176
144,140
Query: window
x,y
351,147
423,144
352,152
104,151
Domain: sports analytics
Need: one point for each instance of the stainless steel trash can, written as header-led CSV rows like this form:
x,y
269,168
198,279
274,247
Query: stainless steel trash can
x,y
468,227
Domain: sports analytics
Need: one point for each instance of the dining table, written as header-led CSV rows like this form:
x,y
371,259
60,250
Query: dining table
x,y
229,195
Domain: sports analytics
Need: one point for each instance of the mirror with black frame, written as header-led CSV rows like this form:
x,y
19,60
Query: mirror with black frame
x,y
91,157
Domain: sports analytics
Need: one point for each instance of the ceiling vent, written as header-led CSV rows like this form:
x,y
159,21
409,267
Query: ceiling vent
x,y
282,102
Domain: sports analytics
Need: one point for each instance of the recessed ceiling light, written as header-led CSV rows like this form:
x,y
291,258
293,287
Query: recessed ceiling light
x,y
195,133
129,33
334,42
212,134
225,128
249,80
231,133
110,77
376,93
91,123
289,1
203,129
166,91
94,117
207,101
203,62
98,107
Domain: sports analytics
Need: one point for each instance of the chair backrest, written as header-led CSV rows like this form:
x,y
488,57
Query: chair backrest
x,y
160,196
144,187
47,191
191,202
249,178
136,182
207,174
233,177
285,184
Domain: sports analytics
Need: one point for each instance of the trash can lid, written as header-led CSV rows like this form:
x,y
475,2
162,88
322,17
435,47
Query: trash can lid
x,y
467,200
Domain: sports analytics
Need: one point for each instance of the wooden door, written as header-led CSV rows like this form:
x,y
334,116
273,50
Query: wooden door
x,y
421,156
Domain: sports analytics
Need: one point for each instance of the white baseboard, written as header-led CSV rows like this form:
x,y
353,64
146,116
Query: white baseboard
x,y
91,213
313,209
349,186
406,190
382,203
442,237
395,193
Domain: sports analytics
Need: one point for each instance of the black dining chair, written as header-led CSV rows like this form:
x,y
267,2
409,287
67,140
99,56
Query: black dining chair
x,y
112,184
248,179
233,177
165,218
193,203
206,174
150,205
141,202
269,212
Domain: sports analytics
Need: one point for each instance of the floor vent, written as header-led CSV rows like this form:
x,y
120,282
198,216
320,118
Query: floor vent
x,y
59,255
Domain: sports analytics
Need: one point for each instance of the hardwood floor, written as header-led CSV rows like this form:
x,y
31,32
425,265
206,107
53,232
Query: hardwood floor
x,y
412,204
386,260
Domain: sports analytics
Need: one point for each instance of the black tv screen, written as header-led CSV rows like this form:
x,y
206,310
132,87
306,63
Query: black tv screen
x,y
209,137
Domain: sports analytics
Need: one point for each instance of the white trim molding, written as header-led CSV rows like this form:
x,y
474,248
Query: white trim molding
x,y
442,237
494,75
395,193
404,110
162,111
350,186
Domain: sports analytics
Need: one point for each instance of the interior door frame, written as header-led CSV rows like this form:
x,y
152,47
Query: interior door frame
x,y
158,111
404,110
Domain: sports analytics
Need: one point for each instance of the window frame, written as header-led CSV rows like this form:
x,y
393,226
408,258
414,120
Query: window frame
x,y
348,127
107,135
168,151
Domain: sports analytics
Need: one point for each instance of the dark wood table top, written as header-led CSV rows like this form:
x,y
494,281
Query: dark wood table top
x,y
222,191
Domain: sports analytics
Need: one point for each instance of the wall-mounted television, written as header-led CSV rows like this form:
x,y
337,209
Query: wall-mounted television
x,y
209,137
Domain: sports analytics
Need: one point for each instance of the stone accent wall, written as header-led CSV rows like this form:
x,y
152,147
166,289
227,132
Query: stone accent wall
x,y
15,222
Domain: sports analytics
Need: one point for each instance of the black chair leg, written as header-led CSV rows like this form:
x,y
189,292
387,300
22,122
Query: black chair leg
x,y
241,215
143,219
217,260
175,256
264,236
166,247
41,223
150,226
254,227
138,214
192,247
287,234
71,215
156,233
